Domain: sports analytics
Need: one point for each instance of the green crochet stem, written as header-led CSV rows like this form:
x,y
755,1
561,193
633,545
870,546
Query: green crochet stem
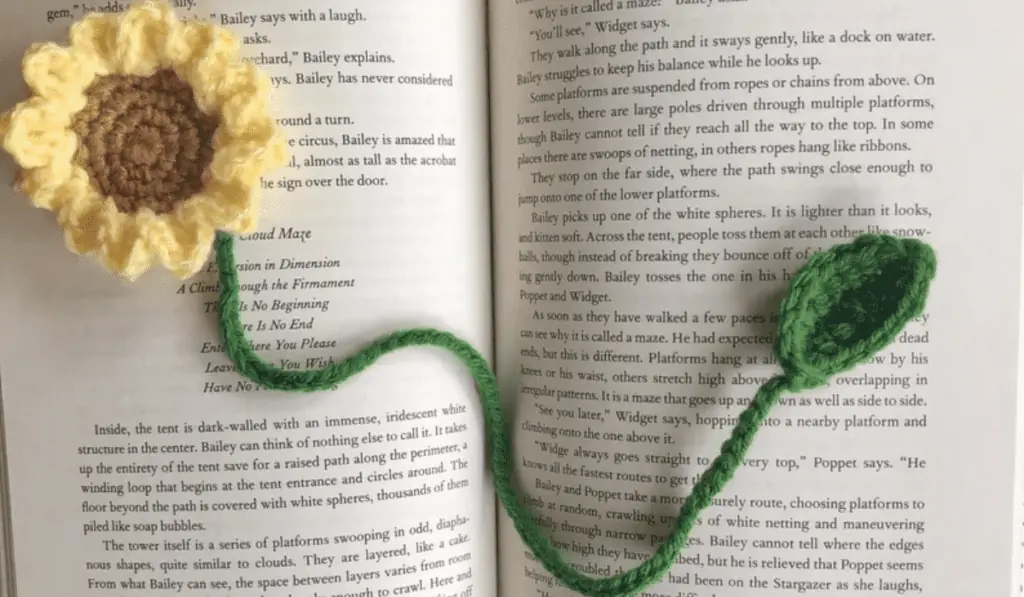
x,y
843,306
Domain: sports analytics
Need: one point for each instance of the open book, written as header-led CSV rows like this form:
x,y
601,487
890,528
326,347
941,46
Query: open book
x,y
608,198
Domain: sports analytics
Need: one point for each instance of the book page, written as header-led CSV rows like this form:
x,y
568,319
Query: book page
x,y
663,168
1018,542
140,463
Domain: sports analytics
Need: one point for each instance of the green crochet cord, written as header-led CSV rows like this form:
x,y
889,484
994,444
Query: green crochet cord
x,y
843,306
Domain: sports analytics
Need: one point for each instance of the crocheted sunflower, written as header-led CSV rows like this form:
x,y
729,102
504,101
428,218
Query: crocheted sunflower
x,y
144,136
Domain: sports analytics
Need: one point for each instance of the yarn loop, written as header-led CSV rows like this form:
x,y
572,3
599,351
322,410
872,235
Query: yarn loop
x,y
843,306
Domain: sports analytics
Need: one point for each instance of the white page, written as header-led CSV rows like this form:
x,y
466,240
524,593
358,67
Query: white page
x,y
81,349
961,499
1018,542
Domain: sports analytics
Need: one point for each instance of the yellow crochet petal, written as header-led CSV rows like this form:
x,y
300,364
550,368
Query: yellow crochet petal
x,y
245,118
220,204
142,37
192,40
247,161
93,224
123,250
241,97
37,132
181,247
58,74
214,49
249,220
94,38
48,187
81,214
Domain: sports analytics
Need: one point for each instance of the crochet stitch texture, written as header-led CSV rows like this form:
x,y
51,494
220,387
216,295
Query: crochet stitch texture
x,y
144,136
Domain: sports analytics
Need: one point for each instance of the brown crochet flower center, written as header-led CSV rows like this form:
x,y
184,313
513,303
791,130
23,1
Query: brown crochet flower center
x,y
143,140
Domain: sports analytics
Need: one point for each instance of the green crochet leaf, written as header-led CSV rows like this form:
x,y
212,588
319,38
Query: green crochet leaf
x,y
848,303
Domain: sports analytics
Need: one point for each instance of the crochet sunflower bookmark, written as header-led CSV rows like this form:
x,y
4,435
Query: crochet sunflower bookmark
x,y
147,136
144,136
